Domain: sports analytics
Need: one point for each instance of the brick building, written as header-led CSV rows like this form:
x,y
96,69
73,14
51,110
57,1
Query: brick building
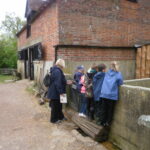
x,y
82,32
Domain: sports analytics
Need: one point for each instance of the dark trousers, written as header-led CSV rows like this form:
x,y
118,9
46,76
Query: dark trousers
x,y
97,107
107,109
83,107
90,108
56,110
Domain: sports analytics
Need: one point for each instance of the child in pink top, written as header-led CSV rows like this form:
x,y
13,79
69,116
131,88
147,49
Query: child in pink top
x,y
82,82
83,108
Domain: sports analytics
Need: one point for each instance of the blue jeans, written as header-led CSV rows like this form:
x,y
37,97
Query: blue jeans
x,y
83,104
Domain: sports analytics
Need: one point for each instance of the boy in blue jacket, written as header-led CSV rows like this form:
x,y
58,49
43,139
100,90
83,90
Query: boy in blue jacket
x,y
97,85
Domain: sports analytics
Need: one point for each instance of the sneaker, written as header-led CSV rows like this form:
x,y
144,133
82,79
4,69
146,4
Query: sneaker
x,y
80,114
83,115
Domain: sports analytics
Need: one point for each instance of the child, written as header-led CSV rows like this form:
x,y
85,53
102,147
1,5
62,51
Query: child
x,y
77,77
89,91
109,93
83,107
97,85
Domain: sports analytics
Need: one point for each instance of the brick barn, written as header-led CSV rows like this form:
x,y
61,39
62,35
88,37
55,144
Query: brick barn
x,y
82,32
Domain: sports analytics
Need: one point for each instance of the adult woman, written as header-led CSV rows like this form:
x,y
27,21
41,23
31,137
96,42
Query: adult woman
x,y
57,88
109,93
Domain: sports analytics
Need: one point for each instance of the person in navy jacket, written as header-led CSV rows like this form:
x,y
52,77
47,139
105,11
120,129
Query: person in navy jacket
x,y
109,93
98,81
57,88
97,86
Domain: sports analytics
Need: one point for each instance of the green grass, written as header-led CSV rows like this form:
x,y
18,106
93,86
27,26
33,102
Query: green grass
x,y
30,90
5,77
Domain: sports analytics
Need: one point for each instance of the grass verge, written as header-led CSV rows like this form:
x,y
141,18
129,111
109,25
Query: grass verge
x,y
5,77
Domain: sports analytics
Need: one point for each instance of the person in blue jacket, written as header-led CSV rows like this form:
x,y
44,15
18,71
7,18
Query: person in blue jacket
x,y
109,93
97,85
57,88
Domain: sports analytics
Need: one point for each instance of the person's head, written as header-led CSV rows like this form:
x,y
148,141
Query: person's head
x,y
102,68
60,63
80,69
114,66
94,67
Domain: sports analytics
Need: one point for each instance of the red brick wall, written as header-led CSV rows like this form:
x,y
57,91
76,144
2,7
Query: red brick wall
x,y
96,54
87,56
104,22
44,29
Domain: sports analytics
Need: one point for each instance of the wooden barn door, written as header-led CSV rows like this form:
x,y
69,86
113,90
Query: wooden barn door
x,y
143,62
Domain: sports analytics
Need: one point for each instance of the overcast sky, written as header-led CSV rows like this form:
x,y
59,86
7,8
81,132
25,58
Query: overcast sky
x,y
17,6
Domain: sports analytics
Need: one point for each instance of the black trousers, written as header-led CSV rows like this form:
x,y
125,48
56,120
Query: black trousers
x,y
90,108
97,107
56,110
107,109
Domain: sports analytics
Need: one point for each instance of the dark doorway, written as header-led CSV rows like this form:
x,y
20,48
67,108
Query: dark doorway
x,y
26,63
30,64
29,55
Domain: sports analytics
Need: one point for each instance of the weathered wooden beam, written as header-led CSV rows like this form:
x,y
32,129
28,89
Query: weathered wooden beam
x,y
138,63
148,61
143,69
98,133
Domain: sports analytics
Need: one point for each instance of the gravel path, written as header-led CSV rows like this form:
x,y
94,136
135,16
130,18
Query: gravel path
x,y
24,125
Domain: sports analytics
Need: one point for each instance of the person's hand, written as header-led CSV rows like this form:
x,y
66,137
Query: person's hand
x,y
69,82
62,95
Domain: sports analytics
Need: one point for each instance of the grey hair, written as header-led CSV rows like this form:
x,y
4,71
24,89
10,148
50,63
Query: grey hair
x,y
60,62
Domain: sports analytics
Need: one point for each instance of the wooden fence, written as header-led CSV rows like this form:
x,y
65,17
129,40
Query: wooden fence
x,y
7,71
143,62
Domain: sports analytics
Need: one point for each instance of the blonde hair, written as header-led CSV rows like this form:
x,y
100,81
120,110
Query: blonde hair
x,y
61,63
114,66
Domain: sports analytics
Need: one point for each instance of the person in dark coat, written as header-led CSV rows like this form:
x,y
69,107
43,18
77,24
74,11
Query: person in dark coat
x,y
89,91
97,85
57,88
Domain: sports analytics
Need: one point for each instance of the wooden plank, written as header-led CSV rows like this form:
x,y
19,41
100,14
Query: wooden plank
x,y
138,63
148,61
143,66
98,133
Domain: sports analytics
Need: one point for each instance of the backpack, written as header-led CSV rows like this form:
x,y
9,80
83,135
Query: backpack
x,y
47,80
89,87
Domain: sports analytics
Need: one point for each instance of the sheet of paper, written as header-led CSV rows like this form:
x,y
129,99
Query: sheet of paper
x,y
63,98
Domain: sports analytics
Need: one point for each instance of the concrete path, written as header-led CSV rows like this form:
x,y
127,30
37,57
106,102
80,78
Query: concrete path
x,y
24,125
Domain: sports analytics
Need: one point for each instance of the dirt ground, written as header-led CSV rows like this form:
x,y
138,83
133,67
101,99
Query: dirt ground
x,y
24,124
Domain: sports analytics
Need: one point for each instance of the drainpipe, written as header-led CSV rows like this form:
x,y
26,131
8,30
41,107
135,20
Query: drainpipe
x,y
56,49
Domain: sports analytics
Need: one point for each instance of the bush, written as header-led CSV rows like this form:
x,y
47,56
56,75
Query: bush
x,y
8,53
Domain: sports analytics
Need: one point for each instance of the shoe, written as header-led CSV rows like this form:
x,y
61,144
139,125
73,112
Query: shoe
x,y
98,123
83,115
80,114
57,122
106,124
64,119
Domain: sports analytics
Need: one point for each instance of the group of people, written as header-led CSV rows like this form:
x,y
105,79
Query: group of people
x,y
98,90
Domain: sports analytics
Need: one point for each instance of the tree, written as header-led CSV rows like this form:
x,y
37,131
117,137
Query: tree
x,y
12,24
8,41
